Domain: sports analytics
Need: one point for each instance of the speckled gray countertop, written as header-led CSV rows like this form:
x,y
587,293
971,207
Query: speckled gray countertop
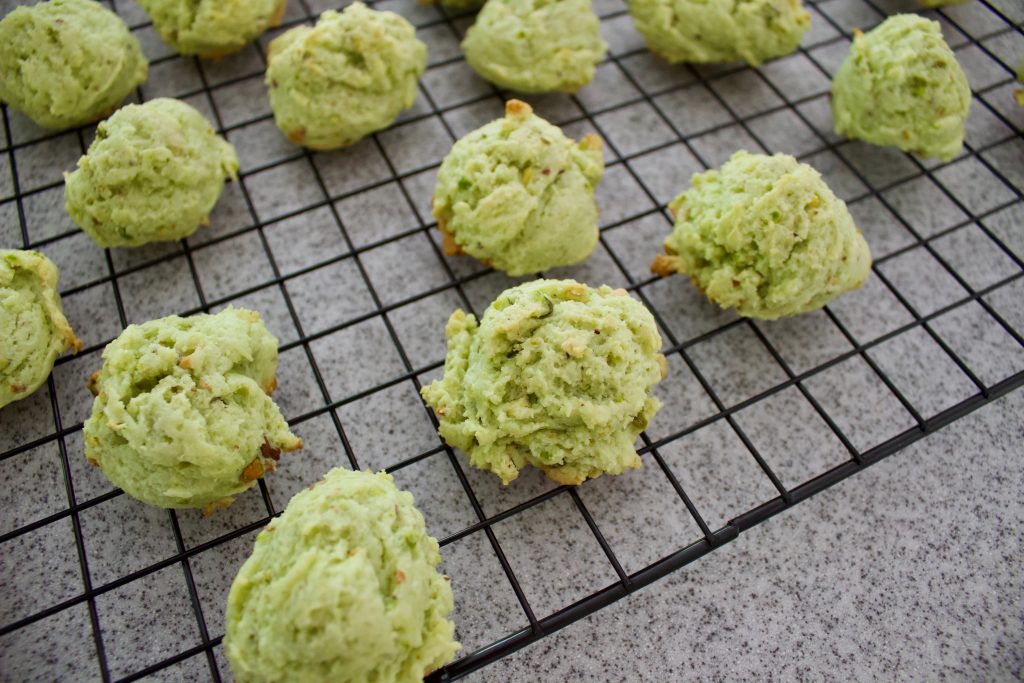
x,y
912,570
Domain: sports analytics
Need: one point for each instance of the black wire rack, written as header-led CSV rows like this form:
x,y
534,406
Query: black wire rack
x,y
339,253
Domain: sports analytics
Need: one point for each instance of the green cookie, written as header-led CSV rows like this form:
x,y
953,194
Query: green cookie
x,y
66,63
33,329
901,86
702,31
519,195
766,236
535,45
152,174
212,28
182,416
350,75
556,375
342,588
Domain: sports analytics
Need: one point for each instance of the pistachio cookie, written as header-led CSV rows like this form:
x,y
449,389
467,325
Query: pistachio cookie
x,y
342,587
556,375
901,86
535,46
33,329
212,28
66,63
183,416
699,31
766,236
152,174
350,75
519,195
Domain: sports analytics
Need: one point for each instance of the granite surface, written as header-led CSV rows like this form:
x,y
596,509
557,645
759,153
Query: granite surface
x,y
912,570
339,253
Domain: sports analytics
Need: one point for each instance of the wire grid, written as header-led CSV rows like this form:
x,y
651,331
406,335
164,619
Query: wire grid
x,y
339,253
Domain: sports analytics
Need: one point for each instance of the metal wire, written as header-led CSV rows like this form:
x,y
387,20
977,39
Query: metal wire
x,y
383,309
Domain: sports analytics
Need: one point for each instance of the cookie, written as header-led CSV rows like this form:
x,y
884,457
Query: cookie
x,y
183,416
35,330
556,375
342,587
152,174
765,235
535,46
901,86
65,63
350,75
519,195
212,28
699,31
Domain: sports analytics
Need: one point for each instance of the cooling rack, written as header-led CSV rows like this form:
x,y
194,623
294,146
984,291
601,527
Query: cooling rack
x,y
339,253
